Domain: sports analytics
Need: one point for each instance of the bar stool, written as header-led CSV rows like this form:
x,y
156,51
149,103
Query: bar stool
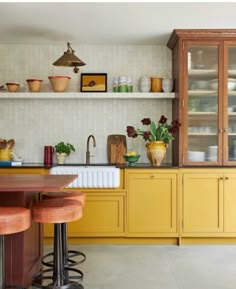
x,y
57,211
12,220
68,255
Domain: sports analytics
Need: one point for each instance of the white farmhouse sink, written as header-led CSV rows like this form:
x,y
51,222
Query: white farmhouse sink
x,y
90,176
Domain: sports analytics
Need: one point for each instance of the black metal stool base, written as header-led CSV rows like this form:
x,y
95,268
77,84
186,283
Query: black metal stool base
x,y
60,275
68,255
69,261
62,282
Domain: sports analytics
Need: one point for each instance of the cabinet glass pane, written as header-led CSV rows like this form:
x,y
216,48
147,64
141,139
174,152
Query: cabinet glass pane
x,y
202,103
231,89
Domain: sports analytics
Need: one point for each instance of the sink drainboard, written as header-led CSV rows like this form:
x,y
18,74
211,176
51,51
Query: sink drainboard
x,y
90,177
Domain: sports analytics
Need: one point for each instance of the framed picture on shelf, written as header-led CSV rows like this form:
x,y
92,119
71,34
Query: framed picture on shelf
x,y
93,82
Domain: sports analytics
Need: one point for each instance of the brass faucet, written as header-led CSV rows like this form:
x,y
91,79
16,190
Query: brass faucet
x,y
88,152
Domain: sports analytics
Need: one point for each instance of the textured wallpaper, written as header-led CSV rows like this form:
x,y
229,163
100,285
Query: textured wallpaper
x,y
34,123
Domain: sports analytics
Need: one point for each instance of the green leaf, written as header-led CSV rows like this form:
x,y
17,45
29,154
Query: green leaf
x,y
153,130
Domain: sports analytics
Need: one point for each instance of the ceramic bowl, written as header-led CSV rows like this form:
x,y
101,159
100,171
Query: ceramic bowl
x,y
231,84
59,82
131,160
34,84
12,86
200,84
196,156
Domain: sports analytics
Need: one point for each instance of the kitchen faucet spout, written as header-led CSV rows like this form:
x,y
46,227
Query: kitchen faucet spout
x,y
88,151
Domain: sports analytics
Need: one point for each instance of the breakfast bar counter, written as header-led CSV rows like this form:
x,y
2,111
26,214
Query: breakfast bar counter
x,y
23,250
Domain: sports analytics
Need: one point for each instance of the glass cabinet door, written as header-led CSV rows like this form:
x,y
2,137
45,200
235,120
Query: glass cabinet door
x,y
202,103
231,103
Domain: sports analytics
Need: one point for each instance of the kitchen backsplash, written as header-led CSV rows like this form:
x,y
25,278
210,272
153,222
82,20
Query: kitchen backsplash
x,y
38,122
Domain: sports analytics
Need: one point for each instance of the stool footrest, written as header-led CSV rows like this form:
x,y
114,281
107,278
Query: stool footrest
x,y
68,281
70,262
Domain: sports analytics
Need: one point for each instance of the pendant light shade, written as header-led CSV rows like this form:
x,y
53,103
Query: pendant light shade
x,y
69,59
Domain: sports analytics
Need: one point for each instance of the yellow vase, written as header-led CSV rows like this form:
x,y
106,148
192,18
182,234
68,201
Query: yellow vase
x,y
5,154
156,151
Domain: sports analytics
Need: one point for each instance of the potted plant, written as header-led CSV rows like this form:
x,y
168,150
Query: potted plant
x,y
158,136
63,150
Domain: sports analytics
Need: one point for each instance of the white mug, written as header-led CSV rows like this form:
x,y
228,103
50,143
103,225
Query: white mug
x,y
167,85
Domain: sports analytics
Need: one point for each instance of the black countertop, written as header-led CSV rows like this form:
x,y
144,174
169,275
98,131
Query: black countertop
x,y
122,166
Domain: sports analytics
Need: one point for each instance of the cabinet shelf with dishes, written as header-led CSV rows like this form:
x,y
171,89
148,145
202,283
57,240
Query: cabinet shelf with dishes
x,y
201,134
80,95
206,61
203,72
202,93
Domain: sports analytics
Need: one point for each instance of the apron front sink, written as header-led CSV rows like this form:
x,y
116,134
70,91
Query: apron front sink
x,y
90,176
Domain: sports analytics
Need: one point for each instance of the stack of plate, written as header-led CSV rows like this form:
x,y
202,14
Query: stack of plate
x,y
212,153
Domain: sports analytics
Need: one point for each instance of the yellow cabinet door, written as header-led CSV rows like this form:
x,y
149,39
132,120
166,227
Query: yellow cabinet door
x,y
230,202
103,215
202,203
152,203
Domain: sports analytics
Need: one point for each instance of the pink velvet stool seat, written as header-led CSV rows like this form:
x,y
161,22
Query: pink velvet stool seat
x,y
12,220
69,255
57,212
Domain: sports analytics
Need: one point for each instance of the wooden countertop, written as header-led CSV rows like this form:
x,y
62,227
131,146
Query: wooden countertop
x,y
34,182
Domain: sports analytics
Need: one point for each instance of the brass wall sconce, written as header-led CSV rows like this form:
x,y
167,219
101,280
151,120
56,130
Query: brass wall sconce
x,y
69,59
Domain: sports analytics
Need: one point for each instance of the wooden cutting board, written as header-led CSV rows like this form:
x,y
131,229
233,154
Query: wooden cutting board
x,y
116,148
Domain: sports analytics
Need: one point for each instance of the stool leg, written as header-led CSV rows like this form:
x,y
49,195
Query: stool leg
x,y
69,254
58,269
2,262
64,247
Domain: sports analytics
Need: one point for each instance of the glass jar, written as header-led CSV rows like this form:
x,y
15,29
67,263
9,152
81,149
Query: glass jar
x,y
122,85
145,84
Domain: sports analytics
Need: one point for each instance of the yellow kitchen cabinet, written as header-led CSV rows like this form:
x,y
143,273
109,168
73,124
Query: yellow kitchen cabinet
x,y
230,202
103,215
20,170
209,203
152,197
202,203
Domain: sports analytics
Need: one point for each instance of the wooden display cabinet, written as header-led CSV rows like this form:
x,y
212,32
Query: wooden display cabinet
x,y
204,69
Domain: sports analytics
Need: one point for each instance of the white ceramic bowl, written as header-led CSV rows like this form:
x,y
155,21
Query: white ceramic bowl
x,y
196,156
231,84
213,84
201,84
